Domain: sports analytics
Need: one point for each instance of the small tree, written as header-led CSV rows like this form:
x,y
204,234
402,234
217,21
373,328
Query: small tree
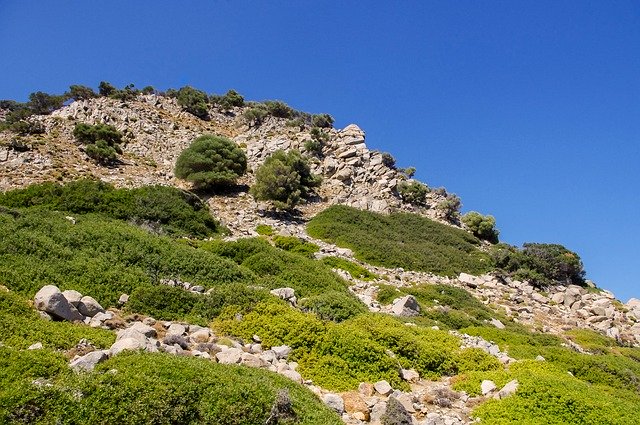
x,y
211,161
278,109
106,89
450,207
78,92
413,192
43,103
482,226
284,179
388,160
102,142
230,99
194,101
322,121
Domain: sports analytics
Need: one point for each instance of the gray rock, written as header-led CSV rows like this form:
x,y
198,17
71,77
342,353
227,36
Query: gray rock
x,y
558,298
36,346
334,401
487,386
126,344
284,293
383,387
89,306
230,356
409,375
50,300
72,296
89,361
498,324
145,330
252,360
469,280
406,306
292,374
281,351
176,329
124,298
201,335
509,389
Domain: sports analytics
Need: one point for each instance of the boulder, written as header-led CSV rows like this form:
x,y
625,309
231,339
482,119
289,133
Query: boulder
x,y
469,280
487,386
176,329
366,389
230,356
509,389
72,296
50,300
409,375
334,401
251,360
498,324
383,387
354,403
292,374
281,351
89,306
406,306
89,361
123,299
126,344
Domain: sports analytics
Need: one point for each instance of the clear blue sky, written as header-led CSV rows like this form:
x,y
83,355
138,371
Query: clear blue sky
x,y
528,110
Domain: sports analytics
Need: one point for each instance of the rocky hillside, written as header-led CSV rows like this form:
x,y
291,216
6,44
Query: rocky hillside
x,y
382,328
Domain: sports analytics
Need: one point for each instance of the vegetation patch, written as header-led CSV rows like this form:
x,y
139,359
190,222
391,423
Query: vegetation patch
x,y
355,270
401,240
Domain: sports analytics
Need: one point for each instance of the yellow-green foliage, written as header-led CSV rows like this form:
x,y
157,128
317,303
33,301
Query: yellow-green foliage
x,y
401,240
21,326
147,388
549,395
296,245
355,270
590,340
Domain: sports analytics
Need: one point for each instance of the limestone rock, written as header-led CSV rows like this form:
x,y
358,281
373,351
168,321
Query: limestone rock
x,y
509,389
334,401
406,306
353,403
89,306
89,361
126,344
487,386
230,356
281,351
72,296
383,387
409,375
50,300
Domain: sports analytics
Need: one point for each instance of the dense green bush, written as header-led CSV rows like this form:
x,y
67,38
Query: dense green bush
x,y
166,209
106,89
278,109
148,388
333,305
264,230
482,226
79,92
193,101
388,160
102,142
229,100
296,245
450,207
42,103
21,326
355,270
400,240
413,192
322,121
284,179
255,115
100,257
211,161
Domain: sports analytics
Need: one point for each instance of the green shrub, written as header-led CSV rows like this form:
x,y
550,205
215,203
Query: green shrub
x,y
284,179
211,161
388,160
355,270
413,192
79,92
156,388
230,100
102,142
400,240
278,109
333,305
313,146
296,245
264,230
591,340
41,103
169,210
322,121
194,101
255,115
450,207
482,226
106,89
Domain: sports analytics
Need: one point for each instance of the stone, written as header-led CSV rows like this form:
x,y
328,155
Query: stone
x,y
281,351
72,296
406,306
633,303
89,306
145,330
498,324
487,386
366,389
176,329
124,298
197,288
36,346
409,375
571,295
407,402
558,298
50,300
287,294
229,356
292,374
89,361
353,403
469,280
509,389
251,360
334,401
126,344
201,335
383,387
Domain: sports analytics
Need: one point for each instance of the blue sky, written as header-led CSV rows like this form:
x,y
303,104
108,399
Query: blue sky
x,y
528,110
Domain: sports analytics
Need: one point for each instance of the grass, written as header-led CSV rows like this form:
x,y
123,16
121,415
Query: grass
x,y
401,240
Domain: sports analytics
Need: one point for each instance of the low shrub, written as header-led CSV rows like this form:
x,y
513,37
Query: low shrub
x,y
355,270
413,192
295,245
333,305
194,101
482,226
264,230
102,142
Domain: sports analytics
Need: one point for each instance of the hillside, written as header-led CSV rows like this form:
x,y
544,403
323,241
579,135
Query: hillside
x,y
128,296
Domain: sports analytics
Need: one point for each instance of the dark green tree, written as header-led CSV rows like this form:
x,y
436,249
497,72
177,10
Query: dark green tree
x,y
322,121
42,103
194,101
211,161
102,142
78,92
482,226
413,192
106,89
231,99
284,178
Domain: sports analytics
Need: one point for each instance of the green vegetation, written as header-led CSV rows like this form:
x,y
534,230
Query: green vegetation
x,y
296,245
400,240
540,264
228,101
79,92
165,209
388,160
210,162
21,326
413,192
482,226
450,207
264,230
102,142
147,388
333,305
194,101
284,179
322,121
355,270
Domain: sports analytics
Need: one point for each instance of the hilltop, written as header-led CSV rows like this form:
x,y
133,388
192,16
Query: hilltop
x,y
374,293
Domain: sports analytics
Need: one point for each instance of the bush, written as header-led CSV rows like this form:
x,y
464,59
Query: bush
x,y
388,160
278,109
400,240
296,245
284,179
78,92
166,209
106,89
210,162
450,207
482,226
264,230
255,116
322,121
42,103
333,305
194,101
230,100
413,192
102,142
355,270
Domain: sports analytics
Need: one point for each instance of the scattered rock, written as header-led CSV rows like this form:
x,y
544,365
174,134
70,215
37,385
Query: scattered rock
x,y
406,306
487,387
89,306
509,389
126,344
50,300
383,387
334,401
36,346
89,361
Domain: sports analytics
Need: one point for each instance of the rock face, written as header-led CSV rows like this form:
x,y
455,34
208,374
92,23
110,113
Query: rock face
x,y
50,300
